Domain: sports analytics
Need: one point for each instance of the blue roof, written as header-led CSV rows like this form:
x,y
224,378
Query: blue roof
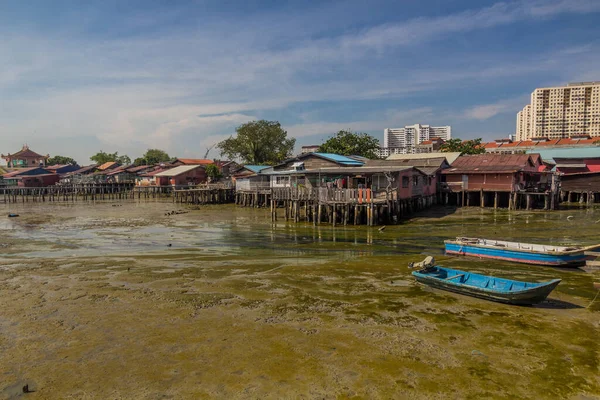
x,y
256,168
571,152
340,159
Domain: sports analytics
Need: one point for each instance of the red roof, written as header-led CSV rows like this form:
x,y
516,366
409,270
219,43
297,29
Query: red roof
x,y
194,161
26,153
493,163
535,142
107,165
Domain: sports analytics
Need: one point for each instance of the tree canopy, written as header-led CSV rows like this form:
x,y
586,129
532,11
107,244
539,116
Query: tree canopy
x,y
61,160
212,171
472,146
258,142
151,157
102,157
348,143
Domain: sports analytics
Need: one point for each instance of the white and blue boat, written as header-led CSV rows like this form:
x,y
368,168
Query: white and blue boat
x,y
539,254
485,287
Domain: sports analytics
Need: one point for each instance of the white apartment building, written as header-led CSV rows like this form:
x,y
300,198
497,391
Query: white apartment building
x,y
562,112
404,140
524,123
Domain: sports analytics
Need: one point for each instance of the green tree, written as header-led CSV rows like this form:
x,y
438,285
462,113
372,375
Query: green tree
x,y
61,160
123,160
258,142
212,171
152,156
348,143
456,145
103,157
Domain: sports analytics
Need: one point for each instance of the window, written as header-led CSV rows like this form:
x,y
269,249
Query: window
x,y
415,181
281,180
405,181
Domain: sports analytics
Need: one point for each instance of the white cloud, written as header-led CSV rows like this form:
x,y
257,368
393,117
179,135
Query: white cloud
x,y
138,92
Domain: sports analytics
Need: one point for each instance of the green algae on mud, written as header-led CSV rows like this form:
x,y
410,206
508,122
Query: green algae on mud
x,y
239,307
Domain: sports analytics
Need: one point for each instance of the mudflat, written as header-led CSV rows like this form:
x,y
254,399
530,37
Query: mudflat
x,y
128,302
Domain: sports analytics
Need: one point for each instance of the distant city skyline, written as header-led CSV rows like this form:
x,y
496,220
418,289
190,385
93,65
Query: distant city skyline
x,y
123,77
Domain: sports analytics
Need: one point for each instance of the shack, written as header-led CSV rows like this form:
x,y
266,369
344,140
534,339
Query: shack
x,y
41,180
431,166
501,180
318,160
15,178
249,178
579,169
183,175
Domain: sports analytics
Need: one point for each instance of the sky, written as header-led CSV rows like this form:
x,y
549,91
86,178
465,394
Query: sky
x,y
124,76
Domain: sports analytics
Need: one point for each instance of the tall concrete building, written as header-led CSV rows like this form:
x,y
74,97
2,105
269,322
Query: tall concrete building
x,y
523,131
561,112
405,140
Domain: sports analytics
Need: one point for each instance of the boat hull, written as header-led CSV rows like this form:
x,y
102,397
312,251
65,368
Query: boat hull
x,y
559,260
535,294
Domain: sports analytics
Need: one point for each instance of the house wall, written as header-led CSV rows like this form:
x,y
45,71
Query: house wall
x,y
38,181
502,182
581,182
252,183
192,177
412,183
281,181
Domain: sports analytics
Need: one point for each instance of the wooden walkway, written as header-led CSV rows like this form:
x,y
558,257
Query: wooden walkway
x,y
71,192
205,194
334,206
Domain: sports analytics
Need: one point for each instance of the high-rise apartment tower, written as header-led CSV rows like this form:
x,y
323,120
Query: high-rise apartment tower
x,y
561,112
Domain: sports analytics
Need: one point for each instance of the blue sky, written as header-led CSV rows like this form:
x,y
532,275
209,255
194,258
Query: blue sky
x,y
77,77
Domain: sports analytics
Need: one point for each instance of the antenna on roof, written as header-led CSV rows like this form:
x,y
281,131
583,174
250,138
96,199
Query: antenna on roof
x,y
208,151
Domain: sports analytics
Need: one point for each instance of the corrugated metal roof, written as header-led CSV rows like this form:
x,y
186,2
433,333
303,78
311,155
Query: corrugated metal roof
x,y
82,170
571,165
107,165
571,152
450,157
419,162
139,168
256,168
339,159
182,169
343,170
489,162
19,171
195,161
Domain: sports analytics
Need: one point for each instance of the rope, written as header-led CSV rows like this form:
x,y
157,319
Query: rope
x,y
589,305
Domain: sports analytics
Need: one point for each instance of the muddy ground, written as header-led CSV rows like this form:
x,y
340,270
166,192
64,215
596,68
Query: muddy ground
x,y
121,301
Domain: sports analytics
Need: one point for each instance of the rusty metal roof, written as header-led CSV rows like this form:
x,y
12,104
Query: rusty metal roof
x,y
437,162
491,163
107,165
194,161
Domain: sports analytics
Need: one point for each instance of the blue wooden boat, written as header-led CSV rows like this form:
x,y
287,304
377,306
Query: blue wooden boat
x,y
485,287
560,256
